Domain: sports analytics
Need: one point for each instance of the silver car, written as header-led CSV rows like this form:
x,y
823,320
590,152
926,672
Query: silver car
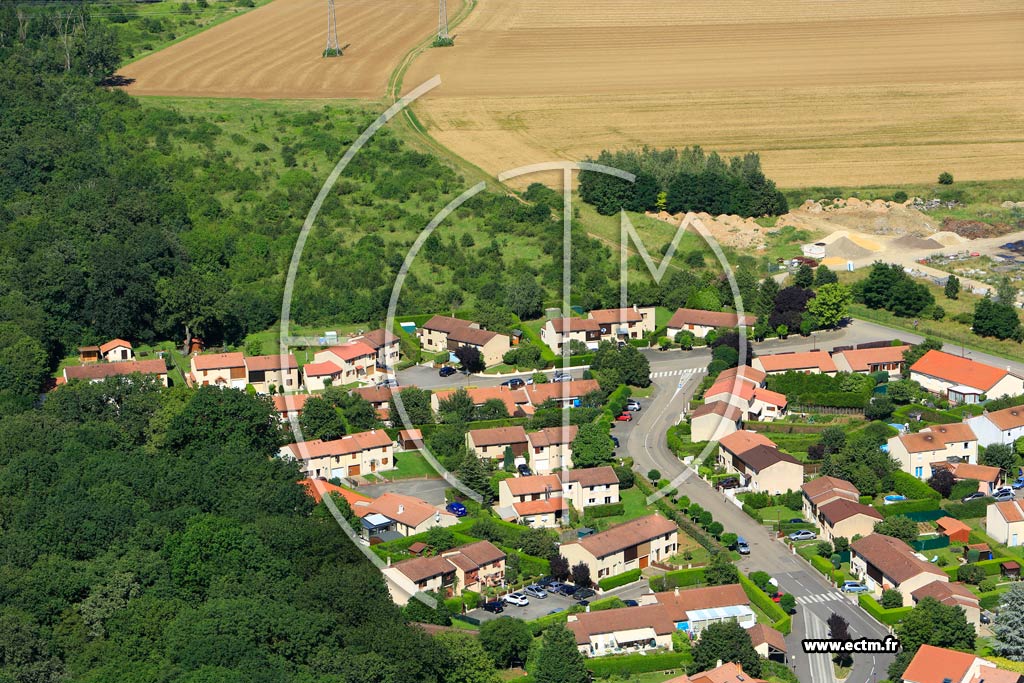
x,y
535,591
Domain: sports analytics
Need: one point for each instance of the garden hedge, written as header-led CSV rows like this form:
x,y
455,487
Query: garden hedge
x,y
681,578
624,665
971,510
907,507
606,510
990,567
622,579
783,622
913,488
890,617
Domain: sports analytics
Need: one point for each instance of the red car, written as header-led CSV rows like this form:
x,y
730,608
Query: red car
x,y
778,596
625,417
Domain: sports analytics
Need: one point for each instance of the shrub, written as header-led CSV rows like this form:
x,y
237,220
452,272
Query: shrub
x,y
890,617
970,573
899,196
824,549
987,585
627,665
680,578
975,508
892,598
945,178
654,475
913,488
962,488
607,510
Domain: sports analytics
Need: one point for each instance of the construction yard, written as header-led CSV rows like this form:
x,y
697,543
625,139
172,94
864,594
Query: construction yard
x,y
850,93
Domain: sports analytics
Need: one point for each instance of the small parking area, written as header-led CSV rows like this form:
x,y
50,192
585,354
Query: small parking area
x,y
537,608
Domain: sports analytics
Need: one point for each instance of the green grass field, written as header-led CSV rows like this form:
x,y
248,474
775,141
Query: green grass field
x,y
409,465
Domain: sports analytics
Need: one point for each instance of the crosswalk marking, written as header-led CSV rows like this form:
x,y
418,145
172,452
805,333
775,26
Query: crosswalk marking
x,y
676,373
818,597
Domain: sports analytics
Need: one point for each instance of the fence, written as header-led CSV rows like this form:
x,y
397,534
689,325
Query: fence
x,y
928,516
931,543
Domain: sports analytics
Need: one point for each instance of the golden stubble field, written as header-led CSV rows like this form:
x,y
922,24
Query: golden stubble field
x,y
275,52
843,92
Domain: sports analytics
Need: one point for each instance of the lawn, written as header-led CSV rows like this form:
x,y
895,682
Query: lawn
x,y
635,505
774,513
409,465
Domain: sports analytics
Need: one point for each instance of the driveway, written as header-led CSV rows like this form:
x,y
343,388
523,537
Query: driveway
x,y
430,490
537,608
426,377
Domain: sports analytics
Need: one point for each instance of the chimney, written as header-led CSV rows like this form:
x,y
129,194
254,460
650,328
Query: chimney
x,y
677,590
719,665
389,560
401,508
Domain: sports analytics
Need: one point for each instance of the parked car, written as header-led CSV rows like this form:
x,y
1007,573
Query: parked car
x,y
630,603
554,587
1002,489
456,508
584,593
729,483
986,617
513,383
494,607
1018,483
567,590
615,440
447,371
557,610
524,470
741,546
796,520
561,377
517,599
535,591
1003,496
625,417
632,404
974,496
777,597
546,582
854,587
803,535
388,382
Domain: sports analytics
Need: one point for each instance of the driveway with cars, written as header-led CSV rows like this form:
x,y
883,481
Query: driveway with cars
x,y
537,608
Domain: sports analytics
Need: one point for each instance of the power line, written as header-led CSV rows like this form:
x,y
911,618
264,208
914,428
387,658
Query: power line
x,y
442,20
333,48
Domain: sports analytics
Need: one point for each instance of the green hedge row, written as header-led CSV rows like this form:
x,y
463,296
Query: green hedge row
x,y
622,579
913,488
990,567
971,510
906,507
622,665
616,401
754,513
783,622
823,565
680,578
606,510
891,617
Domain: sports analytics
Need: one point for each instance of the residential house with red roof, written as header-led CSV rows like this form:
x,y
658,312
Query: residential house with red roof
x,y
560,331
1004,521
385,344
989,478
379,397
289,405
354,361
729,672
701,322
867,361
97,372
117,350
843,518
714,421
350,456
759,463
738,394
562,393
433,334
396,515
807,362
621,324
516,402
1000,426
224,370
883,562
939,665
318,488
745,374
953,594
469,567
491,443
915,453
550,448
534,501
824,490
631,545
963,380
767,405
694,609
279,371
615,631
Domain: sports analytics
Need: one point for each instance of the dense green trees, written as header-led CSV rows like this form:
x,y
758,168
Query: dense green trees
x,y
613,366
507,640
592,446
889,287
931,623
725,641
997,319
898,526
559,660
1009,624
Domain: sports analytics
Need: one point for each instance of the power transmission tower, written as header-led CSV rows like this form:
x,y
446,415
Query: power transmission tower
x,y
333,48
442,20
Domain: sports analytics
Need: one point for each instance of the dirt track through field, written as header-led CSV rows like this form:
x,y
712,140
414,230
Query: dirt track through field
x,y
275,52
839,93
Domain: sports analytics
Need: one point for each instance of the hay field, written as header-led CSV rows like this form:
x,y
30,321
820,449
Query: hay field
x,y
846,92
275,52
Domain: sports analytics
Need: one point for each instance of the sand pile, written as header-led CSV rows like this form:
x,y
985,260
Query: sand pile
x,y
948,239
847,249
915,242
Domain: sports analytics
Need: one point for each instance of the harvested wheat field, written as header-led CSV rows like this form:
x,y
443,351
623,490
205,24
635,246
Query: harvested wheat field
x,y
840,93
275,52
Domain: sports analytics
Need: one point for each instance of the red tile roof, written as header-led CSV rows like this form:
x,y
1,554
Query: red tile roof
x,y
497,436
553,436
958,370
373,394
743,390
861,360
290,402
316,489
481,553
710,597
693,316
352,443
538,483
565,325
272,362
745,372
352,350
408,510
113,344
1007,418
218,361
128,367
321,369
539,507
627,535
937,664
760,634
739,442
377,338
589,624
443,323
823,488
773,398
951,525
893,557
538,393
1010,510
841,509
720,408
965,470
730,672
591,476
782,362
616,315
937,436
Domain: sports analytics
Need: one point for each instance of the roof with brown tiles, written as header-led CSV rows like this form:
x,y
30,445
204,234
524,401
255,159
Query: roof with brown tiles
x,y
709,597
287,403
377,338
553,436
745,372
128,367
480,553
535,484
937,664
471,336
893,557
722,409
694,316
741,441
782,362
826,487
218,361
350,443
948,593
444,323
419,569
840,510
616,315
538,393
497,436
373,394
272,362
760,634
539,507
589,624
1010,510
592,476
627,535
937,436
566,325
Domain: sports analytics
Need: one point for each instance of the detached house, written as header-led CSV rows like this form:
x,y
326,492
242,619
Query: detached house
x,y
560,331
630,545
767,405
226,370
867,361
343,364
394,515
952,594
701,322
117,350
534,501
761,465
491,443
350,456
551,448
385,344
379,397
279,371
433,335
590,486
620,324
695,609
1000,426
938,665
730,672
99,372
714,421
988,477
823,490
962,380
884,562
807,362
289,405
846,519
563,393
1004,522
613,631
915,453
515,400
491,345
470,567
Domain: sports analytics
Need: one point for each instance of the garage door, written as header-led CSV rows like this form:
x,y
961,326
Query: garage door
x,y
353,470
339,473
643,561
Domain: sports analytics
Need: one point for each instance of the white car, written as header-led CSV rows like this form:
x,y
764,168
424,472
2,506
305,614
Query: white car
x,y
517,599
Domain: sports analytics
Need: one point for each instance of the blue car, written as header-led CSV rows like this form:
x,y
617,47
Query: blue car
x,y
1018,483
457,509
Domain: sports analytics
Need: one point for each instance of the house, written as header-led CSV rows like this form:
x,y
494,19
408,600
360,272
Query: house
x,y
953,594
551,448
745,374
433,335
631,545
988,477
619,324
355,361
401,515
491,345
219,370
962,380
613,631
884,562
349,456
477,565
534,501
768,642
563,393
99,372
1005,522
825,490
1000,426
290,405
713,421
738,394
761,465
319,376
867,361
953,529
278,370
515,400
767,405
491,443
845,519
88,354
695,609
385,344
590,486
316,488
729,672
938,443
561,331
938,665
117,350
701,322
807,362
406,578
379,397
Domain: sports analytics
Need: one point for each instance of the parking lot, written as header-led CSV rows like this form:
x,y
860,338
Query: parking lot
x,y
538,607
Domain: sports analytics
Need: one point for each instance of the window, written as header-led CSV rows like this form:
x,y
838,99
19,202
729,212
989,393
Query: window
x,y
919,472
607,500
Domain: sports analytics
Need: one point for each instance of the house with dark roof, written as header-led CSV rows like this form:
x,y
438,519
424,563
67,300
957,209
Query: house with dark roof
x,y
433,334
846,519
694,609
883,562
551,448
491,345
477,565
953,594
939,665
824,490
492,442
615,631
768,642
470,567
558,332
760,465
916,453
1000,426
385,344
701,322
591,486
620,324
97,372
631,545
963,380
